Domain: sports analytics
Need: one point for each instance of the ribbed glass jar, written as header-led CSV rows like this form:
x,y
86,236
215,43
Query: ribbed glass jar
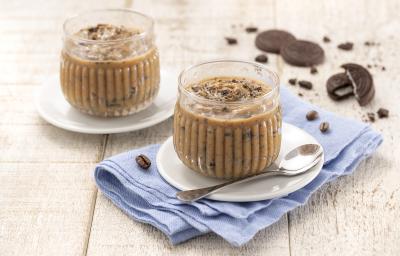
x,y
227,139
110,77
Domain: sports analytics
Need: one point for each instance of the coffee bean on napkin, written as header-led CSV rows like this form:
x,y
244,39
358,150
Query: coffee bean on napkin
x,y
143,161
324,127
312,115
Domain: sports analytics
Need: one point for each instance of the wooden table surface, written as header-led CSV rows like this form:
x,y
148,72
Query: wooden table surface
x,y
49,204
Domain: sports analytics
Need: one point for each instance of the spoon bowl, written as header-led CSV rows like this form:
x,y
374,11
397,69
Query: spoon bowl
x,y
300,157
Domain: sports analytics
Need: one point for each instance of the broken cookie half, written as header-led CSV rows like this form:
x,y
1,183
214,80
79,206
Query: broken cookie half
x,y
356,80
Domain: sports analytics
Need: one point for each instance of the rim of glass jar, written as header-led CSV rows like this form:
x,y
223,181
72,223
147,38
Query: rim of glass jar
x,y
126,10
270,94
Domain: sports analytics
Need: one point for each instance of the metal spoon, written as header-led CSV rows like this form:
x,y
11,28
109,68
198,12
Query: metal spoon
x,y
297,161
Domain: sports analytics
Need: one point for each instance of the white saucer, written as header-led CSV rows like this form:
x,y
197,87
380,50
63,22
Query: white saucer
x,y
181,177
52,106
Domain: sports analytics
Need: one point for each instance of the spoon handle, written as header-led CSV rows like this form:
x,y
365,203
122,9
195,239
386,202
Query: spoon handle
x,y
196,194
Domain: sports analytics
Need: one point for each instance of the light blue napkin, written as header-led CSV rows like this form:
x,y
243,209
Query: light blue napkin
x,y
146,197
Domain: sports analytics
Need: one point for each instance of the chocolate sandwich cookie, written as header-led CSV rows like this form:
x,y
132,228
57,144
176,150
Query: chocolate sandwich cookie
x,y
355,81
362,82
302,53
339,87
273,40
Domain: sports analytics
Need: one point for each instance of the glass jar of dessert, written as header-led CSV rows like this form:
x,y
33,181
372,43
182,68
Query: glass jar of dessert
x,y
109,62
227,121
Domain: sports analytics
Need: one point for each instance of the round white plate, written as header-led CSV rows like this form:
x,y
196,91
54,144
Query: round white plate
x,y
181,177
52,106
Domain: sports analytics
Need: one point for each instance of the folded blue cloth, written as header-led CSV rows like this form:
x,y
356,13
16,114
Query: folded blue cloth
x,y
146,197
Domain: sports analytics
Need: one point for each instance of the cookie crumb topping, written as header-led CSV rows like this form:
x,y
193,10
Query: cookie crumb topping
x,y
229,89
106,32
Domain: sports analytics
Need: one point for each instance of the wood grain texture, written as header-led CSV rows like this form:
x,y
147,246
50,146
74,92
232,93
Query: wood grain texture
x,y
48,202
359,214
46,191
44,208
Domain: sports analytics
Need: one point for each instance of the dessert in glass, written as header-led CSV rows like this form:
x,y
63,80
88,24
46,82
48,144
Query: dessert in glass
x,y
227,121
109,62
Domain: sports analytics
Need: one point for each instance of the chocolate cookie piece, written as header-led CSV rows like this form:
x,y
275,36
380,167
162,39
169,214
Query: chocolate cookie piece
x,y
339,87
362,82
251,29
302,53
313,70
326,39
348,46
293,81
231,40
273,40
305,84
262,58
383,113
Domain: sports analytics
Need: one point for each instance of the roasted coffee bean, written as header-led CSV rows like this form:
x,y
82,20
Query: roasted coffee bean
x,y
262,58
326,39
346,46
362,82
143,161
313,70
305,84
292,81
273,40
302,53
231,40
371,116
312,115
383,113
251,29
324,127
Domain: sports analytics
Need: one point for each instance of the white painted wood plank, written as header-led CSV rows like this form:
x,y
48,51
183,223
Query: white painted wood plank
x,y
46,191
32,36
17,107
114,233
44,208
359,214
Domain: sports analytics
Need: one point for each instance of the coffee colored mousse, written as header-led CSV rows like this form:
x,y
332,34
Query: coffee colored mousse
x,y
105,71
226,129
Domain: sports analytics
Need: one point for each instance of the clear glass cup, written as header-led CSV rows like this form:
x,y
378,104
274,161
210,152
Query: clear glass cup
x,y
110,77
227,140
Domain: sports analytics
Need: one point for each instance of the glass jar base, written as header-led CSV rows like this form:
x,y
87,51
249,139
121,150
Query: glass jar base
x,y
117,112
